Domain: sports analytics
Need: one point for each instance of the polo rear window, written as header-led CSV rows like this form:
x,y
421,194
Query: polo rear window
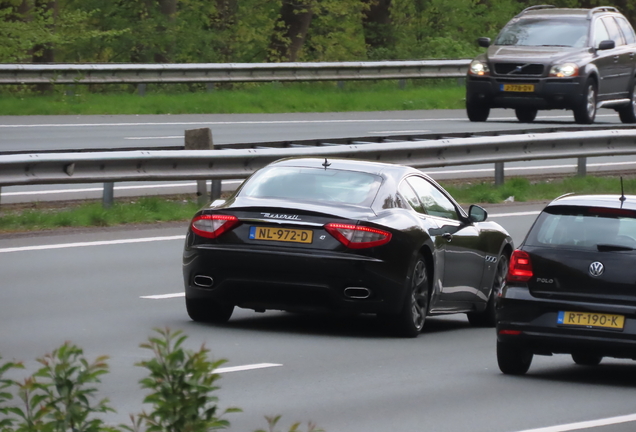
x,y
584,227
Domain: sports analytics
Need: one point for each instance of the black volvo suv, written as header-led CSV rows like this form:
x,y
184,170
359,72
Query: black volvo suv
x,y
552,58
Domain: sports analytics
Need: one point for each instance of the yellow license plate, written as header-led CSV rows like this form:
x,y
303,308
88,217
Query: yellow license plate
x,y
527,88
281,234
591,319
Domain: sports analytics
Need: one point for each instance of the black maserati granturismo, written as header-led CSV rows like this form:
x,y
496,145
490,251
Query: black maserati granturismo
x,y
345,236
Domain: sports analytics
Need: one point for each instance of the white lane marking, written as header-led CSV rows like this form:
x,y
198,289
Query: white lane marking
x,y
153,138
586,424
143,240
254,122
88,244
60,191
399,131
528,213
257,122
163,296
246,367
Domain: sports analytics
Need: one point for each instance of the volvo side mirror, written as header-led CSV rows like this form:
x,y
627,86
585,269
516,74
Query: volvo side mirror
x,y
483,42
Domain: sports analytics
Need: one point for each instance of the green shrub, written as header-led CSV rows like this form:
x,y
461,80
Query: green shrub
x,y
182,383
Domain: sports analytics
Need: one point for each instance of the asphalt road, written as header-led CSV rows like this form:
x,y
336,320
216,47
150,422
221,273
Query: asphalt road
x,y
35,133
98,289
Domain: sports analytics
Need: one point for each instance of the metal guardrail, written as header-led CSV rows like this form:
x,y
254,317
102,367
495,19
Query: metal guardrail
x,y
228,72
118,166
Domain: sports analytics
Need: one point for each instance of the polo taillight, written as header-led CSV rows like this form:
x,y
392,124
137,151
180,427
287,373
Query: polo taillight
x,y
358,237
520,269
212,226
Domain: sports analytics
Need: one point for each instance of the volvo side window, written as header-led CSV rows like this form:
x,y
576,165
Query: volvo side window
x,y
614,32
600,33
628,31
435,203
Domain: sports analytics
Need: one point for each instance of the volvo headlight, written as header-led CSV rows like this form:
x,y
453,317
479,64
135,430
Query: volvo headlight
x,y
565,70
478,68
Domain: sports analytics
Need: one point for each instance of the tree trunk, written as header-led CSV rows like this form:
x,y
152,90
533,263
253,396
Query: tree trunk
x,y
45,53
223,23
376,22
290,30
168,9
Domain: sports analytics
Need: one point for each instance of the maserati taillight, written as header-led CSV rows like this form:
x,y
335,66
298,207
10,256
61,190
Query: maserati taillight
x,y
358,237
520,269
212,226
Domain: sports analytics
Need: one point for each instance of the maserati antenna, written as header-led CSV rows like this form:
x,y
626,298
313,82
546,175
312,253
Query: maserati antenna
x,y
326,164
622,198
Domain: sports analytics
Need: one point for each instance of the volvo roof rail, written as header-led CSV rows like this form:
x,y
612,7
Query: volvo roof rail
x,y
601,9
535,7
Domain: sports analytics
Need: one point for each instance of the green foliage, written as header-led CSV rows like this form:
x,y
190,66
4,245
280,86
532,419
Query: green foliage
x,y
144,210
523,189
58,397
6,395
182,383
272,421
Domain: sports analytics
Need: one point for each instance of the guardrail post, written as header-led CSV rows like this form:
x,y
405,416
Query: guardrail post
x,y
581,169
141,89
108,196
201,139
402,84
499,173
209,87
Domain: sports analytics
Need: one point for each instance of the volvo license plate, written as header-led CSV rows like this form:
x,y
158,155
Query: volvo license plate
x,y
524,88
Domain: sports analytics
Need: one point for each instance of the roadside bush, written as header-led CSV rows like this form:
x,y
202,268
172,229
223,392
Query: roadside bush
x,y
61,396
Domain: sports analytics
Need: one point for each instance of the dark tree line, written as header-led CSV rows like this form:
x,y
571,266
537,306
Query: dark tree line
x,y
163,31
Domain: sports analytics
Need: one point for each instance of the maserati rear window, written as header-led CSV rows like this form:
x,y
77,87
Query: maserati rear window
x,y
313,184
584,227
545,32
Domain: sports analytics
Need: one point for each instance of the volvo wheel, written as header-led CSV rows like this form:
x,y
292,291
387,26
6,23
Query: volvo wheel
x,y
477,112
526,115
628,113
585,113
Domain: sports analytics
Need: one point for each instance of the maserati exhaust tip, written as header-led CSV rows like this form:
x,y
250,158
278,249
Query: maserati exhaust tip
x,y
203,281
357,293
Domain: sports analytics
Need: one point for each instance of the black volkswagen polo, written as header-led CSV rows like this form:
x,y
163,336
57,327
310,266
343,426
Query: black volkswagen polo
x,y
571,285
347,236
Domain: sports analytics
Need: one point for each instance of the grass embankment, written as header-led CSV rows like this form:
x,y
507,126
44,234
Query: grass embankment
x,y
43,216
246,98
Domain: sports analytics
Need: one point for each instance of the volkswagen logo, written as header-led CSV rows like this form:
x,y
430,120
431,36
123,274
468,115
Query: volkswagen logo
x,y
596,268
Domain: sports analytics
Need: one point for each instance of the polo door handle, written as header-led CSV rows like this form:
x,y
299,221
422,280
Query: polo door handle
x,y
447,236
